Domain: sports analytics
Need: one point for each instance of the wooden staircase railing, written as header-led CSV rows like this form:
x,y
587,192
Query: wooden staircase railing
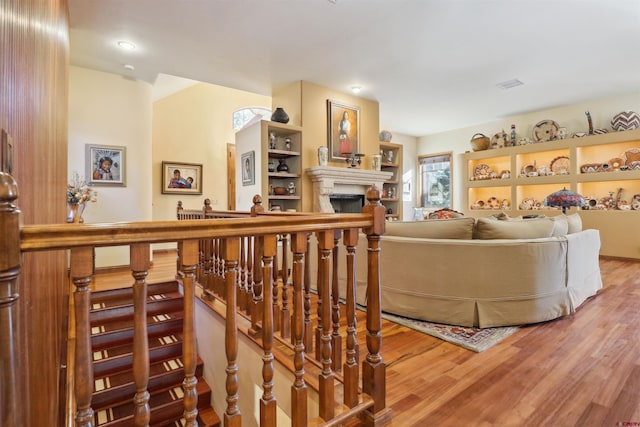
x,y
223,241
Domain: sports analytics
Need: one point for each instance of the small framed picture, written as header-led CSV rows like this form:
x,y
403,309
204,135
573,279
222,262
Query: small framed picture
x,y
181,178
344,130
247,162
105,165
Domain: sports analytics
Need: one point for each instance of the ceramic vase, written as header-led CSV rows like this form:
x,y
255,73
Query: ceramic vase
x,y
282,167
376,162
74,212
323,156
280,116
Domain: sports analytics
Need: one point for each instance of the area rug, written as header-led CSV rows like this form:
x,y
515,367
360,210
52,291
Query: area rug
x,y
474,339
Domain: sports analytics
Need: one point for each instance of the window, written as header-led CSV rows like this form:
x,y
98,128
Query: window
x,y
435,181
250,115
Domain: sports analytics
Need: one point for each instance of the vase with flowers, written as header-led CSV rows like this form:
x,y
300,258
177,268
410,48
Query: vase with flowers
x,y
78,195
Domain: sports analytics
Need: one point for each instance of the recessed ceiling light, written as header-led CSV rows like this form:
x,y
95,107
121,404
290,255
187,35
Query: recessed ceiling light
x,y
510,84
356,89
123,44
129,67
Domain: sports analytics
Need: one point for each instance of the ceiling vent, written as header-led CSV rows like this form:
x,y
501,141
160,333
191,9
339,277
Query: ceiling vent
x,y
510,84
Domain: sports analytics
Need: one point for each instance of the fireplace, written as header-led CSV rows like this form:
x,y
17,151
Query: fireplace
x,y
347,203
334,182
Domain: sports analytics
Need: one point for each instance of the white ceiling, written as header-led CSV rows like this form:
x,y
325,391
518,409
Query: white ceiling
x,y
433,65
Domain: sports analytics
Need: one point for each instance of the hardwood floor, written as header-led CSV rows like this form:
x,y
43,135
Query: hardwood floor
x,y
581,370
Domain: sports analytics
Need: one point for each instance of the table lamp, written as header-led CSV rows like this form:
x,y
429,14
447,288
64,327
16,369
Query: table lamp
x,y
564,198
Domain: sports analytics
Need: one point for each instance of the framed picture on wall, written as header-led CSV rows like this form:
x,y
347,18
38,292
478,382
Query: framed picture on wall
x,y
343,129
247,162
105,165
181,178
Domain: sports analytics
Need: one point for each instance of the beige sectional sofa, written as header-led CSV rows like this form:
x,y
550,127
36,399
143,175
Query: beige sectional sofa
x,y
484,272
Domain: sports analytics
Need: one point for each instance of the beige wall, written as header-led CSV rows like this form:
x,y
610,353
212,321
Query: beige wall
x,y
572,117
194,126
106,109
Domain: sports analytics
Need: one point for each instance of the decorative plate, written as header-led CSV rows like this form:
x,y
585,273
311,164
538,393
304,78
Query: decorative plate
x,y
483,170
615,163
527,204
546,130
626,120
499,140
632,155
559,164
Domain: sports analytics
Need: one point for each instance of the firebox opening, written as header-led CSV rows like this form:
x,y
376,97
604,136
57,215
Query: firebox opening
x,y
347,203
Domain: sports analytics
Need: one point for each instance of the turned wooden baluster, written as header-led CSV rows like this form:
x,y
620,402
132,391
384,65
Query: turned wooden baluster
x,y
257,304
242,276
249,292
336,339
326,380
285,316
275,306
140,254
299,387
373,368
268,403
351,378
81,266
320,279
308,324
232,417
189,251
208,274
11,374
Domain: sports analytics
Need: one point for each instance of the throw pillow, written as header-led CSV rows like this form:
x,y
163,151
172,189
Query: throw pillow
x,y
575,223
560,225
445,213
454,228
526,229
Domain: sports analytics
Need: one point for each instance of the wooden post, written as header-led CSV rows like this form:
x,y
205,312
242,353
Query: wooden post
x,y
299,387
285,316
232,417
336,339
11,374
351,363
326,380
268,403
189,251
81,270
308,324
140,255
373,368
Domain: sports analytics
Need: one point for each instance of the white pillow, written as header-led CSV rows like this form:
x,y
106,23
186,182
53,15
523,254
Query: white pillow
x,y
560,225
575,223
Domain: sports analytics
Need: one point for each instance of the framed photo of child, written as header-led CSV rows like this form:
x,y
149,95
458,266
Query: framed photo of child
x,y
105,165
181,178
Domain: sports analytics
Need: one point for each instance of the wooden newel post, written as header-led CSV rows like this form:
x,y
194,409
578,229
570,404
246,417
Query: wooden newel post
x,y
373,368
11,376
189,251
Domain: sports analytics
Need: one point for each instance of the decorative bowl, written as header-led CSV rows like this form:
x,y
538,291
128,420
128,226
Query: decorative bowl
x,y
279,191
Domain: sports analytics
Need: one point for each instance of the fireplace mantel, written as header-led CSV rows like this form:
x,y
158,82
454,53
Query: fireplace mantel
x,y
328,180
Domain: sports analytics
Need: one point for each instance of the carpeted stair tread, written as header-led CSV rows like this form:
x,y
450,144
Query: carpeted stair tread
x,y
112,360
113,389
166,405
126,294
207,417
164,303
113,334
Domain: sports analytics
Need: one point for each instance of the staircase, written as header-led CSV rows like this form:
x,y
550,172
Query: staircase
x,y
112,343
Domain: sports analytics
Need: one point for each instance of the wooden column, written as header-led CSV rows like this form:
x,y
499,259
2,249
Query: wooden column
x,y
308,324
336,339
373,368
285,316
232,417
11,374
299,387
326,380
268,403
189,251
351,363
140,255
81,271
242,276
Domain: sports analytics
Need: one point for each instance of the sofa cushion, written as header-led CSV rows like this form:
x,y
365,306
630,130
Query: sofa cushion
x,y
560,225
575,223
526,229
454,228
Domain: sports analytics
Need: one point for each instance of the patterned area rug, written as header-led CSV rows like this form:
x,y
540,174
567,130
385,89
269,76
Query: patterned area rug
x,y
474,339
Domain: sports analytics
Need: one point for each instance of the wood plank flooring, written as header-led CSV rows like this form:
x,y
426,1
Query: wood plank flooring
x,y
581,370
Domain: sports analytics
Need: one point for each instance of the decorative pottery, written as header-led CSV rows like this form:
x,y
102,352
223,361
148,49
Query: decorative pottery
x,y
291,188
279,191
282,166
75,211
625,120
385,136
287,144
323,156
272,165
479,142
272,141
280,116
376,162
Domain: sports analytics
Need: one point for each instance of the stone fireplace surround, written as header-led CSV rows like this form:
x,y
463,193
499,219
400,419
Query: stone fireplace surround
x,y
329,180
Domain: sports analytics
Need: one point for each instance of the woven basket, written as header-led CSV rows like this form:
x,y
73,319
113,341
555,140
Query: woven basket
x,y
479,142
